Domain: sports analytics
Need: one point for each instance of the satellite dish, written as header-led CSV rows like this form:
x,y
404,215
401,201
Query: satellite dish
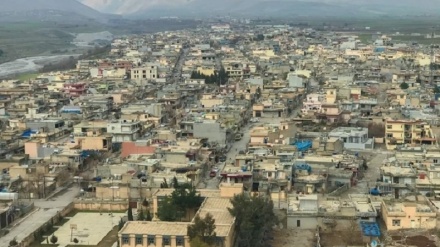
x,y
373,243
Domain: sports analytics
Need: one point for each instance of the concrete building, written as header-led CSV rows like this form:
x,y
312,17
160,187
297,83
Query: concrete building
x,y
353,138
173,234
409,214
311,211
146,72
212,130
400,132
124,130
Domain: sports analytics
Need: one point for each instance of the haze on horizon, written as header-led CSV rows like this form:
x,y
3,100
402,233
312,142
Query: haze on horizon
x,y
184,7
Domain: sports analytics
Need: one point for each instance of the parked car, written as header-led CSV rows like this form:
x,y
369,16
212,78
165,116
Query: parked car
x,y
212,174
222,159
255,120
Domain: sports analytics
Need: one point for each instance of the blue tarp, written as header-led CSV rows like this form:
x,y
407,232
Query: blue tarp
x,y
303,146
370,229
87,153
375,192
28,133
73,111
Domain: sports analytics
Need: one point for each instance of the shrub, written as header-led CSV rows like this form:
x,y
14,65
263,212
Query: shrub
x,y
54,239
13,242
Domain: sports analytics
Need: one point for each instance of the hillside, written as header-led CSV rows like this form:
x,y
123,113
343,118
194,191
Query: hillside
x,y
48,10
267,8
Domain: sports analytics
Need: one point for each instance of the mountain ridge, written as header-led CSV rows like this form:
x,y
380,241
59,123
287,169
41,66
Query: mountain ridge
x,y
254,8
48,9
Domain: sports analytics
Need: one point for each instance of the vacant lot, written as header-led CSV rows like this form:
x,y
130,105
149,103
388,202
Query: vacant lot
x,y
341,238
293,237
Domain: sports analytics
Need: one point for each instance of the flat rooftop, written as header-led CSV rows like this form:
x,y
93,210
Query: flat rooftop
x,y
86,230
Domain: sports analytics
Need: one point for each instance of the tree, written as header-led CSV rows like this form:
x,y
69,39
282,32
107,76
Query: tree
x,y
120,224
376,130
168,211
203,229
175,182
54,239
404,85
140,216
196,242
75,240
164,184
258,92
130,214
13,242
175,206
148,217
254,219
186,198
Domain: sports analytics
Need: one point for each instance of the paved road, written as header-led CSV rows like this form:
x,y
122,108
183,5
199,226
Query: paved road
x,y
212,183
45,210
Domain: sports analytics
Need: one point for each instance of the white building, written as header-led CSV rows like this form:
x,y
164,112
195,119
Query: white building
x,y
146,72
124,130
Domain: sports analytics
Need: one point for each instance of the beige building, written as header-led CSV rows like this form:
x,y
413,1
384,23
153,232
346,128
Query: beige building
x,y
407,214
147,72
399,132
173,234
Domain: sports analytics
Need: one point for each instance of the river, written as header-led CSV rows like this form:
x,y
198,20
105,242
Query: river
x,y
29,64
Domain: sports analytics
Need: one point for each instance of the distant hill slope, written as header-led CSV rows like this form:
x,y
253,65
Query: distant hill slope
x,y
266,8
56,10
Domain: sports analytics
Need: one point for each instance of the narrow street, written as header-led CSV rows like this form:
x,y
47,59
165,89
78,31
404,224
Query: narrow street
x,y
241,145
44,211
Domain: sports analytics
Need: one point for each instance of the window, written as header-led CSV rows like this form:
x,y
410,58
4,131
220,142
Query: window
x,y
125,239
389,135
396,222
435,161
139,239
389,127
151,240
180,241
166,240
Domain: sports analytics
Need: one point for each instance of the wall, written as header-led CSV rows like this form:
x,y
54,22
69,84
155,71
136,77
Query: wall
x,y
230,190
212,131
305,222
107,193
94,205
27,241
93,143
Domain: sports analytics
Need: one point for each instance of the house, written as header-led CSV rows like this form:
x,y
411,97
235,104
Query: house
x,y
92,136
146,72
401,132
124,130
410,213
353,138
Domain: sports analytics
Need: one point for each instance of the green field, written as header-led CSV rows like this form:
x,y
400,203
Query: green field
x,y
28,76
39,38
